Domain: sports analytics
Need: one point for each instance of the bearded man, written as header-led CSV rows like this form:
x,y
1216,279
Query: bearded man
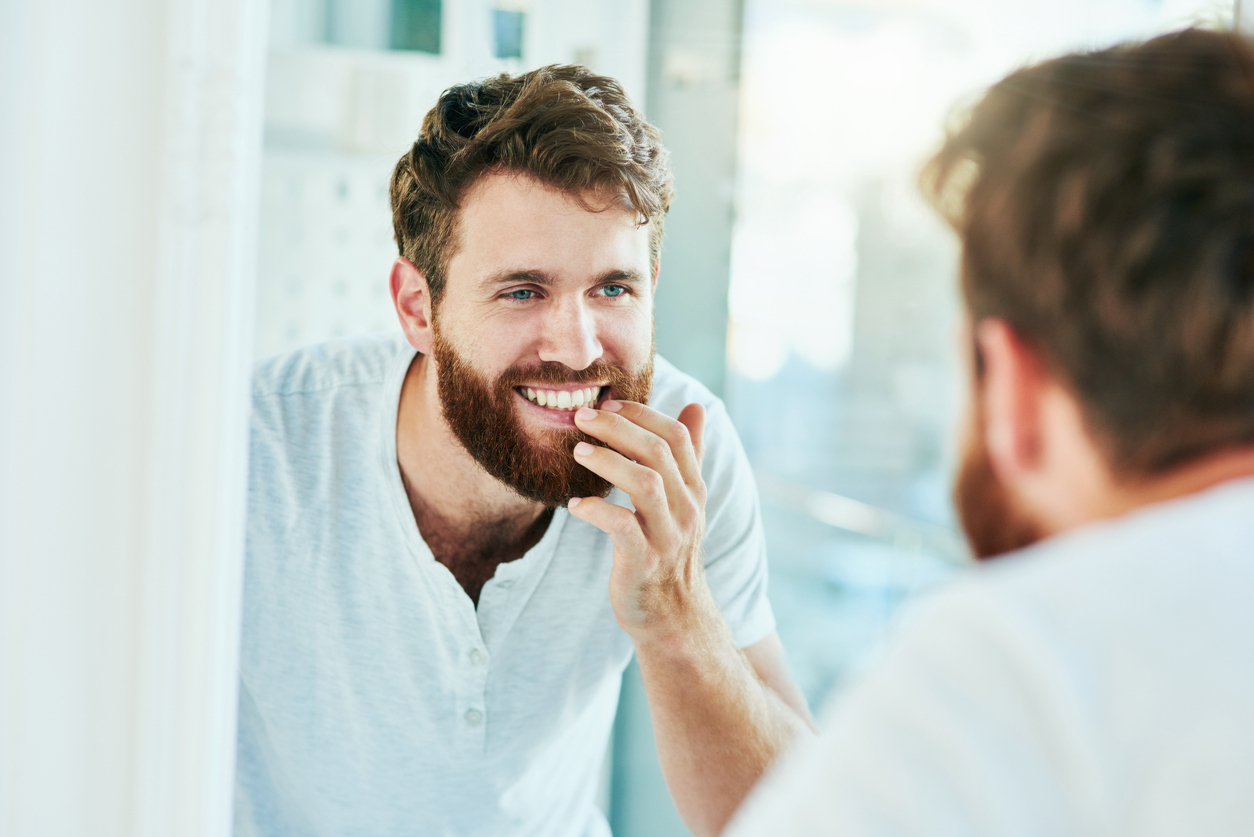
x,y
457,541
1099,678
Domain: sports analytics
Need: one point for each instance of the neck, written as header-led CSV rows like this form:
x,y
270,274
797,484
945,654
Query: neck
x,y
1191,477
471,522
443,481
1097,494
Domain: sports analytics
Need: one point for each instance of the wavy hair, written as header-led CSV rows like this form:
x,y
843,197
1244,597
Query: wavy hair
x,y
1105,203
563,125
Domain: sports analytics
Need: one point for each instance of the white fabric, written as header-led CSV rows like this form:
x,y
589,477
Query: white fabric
x,y
1101,683
375,699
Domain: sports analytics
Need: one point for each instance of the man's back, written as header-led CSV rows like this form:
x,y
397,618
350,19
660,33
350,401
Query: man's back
x,y
1100,683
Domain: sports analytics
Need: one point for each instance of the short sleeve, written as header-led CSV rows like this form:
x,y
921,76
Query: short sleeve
x,y
735,545
965,729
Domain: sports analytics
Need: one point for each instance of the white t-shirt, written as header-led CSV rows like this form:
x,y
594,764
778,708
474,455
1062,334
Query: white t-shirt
x,y
1100,683
375,699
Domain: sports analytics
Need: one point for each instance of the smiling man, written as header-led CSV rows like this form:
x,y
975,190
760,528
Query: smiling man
x,y
457,541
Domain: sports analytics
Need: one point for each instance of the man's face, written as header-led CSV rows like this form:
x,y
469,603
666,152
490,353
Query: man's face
x,y
547,307
994,522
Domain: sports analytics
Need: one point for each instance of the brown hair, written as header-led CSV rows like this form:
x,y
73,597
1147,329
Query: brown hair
x,y
1105,202
562,125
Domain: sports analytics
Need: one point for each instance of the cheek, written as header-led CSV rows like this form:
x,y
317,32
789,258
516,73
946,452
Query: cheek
x,y
628,336
493,344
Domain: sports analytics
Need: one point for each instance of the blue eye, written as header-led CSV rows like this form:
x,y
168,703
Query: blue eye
x,y
614,290
521,294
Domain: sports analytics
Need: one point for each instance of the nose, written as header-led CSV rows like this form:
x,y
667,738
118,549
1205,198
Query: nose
x,y
568,334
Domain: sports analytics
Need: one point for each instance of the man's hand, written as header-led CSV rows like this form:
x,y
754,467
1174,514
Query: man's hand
x,y
657,584
716,720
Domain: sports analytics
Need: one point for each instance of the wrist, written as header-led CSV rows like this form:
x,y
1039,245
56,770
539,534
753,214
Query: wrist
x,y
687,627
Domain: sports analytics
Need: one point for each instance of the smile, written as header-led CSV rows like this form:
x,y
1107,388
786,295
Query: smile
x,y
561,399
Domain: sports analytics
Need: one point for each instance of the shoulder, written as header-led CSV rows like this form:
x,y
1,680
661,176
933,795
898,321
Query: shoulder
x,y
319,414
1102,622
326,366
309,399
960,729
1014,695
1181,555
1038,615
673,390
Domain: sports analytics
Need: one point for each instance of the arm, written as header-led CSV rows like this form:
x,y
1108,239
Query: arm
x,y
721,715
718,722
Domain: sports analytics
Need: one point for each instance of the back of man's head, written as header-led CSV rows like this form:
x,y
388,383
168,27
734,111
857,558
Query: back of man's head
x,y
563,125
1105,203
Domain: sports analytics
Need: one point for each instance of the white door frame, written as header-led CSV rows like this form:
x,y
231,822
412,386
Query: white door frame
x,y
130,149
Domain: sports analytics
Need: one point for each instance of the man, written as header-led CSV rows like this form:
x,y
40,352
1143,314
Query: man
x,y
1100,681
440,597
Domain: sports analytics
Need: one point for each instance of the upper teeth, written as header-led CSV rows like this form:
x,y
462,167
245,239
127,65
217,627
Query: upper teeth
x,y
562,399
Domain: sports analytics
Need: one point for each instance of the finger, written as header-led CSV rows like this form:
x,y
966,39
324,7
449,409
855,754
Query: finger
x,y
642,484
624,425
635,443
693,418
619,523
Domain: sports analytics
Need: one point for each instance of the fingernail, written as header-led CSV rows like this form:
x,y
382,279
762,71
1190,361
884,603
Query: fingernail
x,y
586,414
612,406
583,449
574,501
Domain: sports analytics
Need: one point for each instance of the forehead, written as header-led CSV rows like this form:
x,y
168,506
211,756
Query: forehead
x,y
513,221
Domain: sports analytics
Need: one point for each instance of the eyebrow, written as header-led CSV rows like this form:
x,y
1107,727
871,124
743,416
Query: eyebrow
x,y
539,277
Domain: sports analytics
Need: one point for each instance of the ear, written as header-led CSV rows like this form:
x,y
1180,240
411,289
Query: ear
x,y
657,269
1011,391
412,299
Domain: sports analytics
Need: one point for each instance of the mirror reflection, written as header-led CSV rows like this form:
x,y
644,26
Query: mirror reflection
x,y
478,220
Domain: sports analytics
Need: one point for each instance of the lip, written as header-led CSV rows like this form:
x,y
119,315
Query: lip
x,y
557,418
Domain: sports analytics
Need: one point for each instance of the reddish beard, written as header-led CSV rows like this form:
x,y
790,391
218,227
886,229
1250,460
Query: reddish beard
x,y
991,518
484,417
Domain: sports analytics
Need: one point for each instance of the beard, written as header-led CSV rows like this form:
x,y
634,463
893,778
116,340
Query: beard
x,y
484,417
994,522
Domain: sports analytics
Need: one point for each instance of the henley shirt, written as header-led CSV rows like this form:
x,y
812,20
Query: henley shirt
x,y
375,698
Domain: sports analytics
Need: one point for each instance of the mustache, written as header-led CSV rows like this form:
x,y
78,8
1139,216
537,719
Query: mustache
x,y
552,372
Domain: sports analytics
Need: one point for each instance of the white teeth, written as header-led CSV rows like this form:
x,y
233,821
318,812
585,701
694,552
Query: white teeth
x,y
562,399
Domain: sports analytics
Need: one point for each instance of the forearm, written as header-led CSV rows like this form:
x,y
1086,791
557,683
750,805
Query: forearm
x,y
718,726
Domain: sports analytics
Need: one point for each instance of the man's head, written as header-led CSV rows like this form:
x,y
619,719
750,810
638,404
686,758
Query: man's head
x,y
529,220
564,126
1105,203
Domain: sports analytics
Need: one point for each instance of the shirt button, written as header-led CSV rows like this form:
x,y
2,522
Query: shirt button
x,y
478,657
474,717
506,584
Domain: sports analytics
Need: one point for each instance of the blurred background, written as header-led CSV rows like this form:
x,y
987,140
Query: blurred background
x,y
802,279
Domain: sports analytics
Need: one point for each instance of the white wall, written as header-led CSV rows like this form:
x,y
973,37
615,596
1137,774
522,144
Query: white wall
x,y
129,150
